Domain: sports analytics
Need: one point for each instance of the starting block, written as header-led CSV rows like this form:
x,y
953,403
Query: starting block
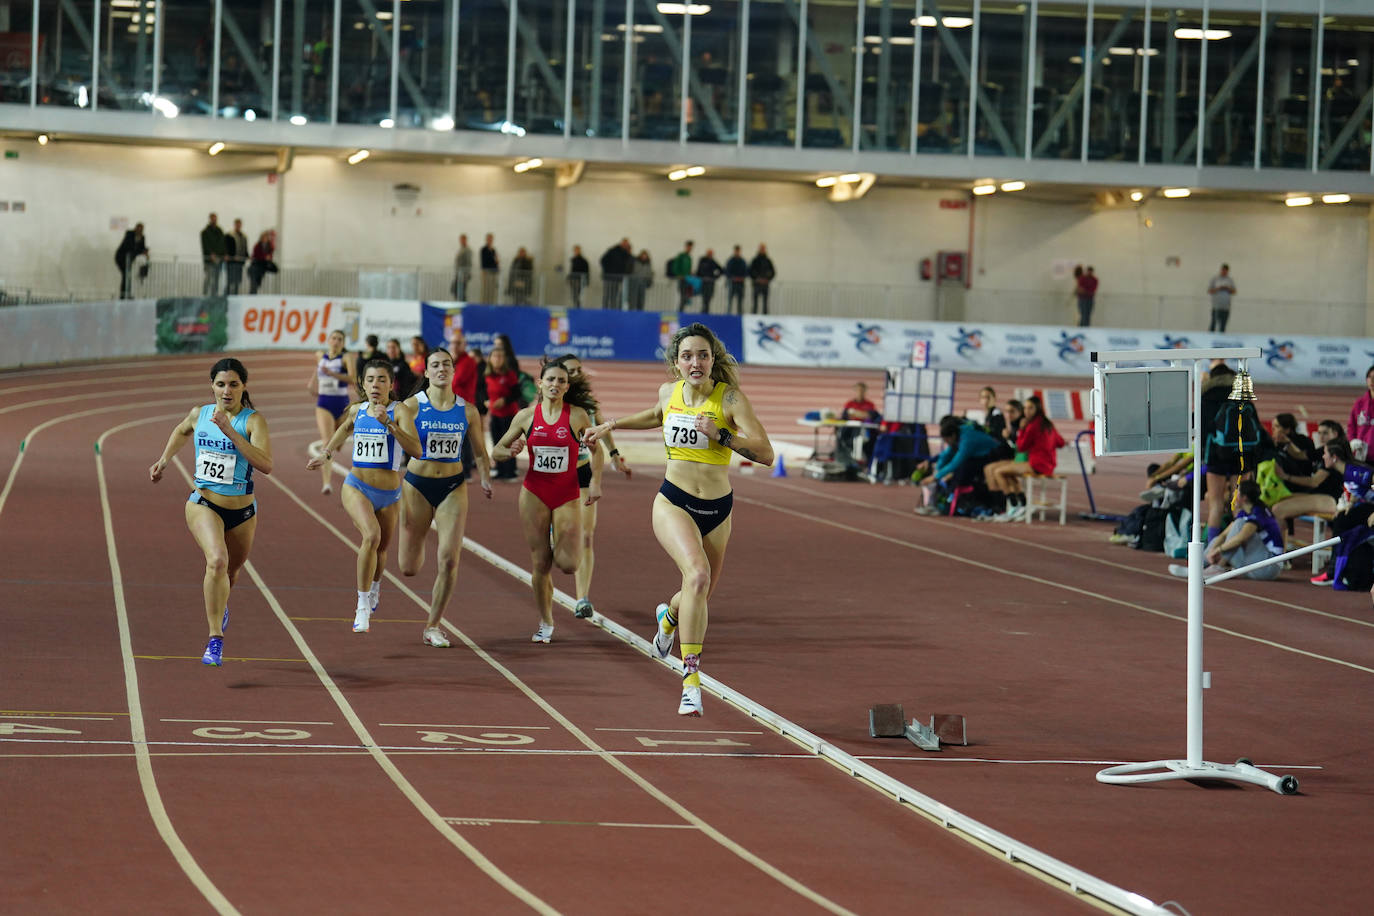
x,y
888,720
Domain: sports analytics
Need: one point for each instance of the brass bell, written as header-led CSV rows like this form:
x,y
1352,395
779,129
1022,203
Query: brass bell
x,y
1243,387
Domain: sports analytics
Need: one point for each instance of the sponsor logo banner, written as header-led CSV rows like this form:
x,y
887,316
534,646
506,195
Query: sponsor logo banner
x,y
192,325
304,322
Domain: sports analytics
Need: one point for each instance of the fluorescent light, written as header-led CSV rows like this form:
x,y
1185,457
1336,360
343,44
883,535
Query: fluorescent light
x,y
42,139
1176,192
894,40
1210,34
1352,63
1137,196
359,156
1013,185
387,123
677,9
250,115
216,148
383,15
1298,201
514,130
1136,52
827,182
646,27
1335,198
677,174
443,122
528,164
695,171
297,120
949,22
851,178
981,189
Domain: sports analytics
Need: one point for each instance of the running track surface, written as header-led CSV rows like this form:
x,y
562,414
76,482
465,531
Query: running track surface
x,y
323,771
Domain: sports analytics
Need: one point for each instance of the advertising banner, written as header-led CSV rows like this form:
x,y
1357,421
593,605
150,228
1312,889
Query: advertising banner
x,y
528,327
304,322
597,334
192,325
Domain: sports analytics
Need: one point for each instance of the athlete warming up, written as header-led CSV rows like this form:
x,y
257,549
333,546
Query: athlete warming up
x,y
372,490
330,385
705,416
433,490
582,579
550,429
231,442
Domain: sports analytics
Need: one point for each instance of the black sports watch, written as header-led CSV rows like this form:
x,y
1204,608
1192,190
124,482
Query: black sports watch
x,y
723,436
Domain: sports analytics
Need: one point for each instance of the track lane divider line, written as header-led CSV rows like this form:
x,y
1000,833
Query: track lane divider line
x,y
143,762
371,746
582,737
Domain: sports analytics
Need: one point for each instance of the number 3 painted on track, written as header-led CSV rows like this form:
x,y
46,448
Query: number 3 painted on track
x,y
268,734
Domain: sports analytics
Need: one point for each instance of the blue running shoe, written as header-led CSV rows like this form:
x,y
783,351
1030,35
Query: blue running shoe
x,y
214,651
224,621
663,642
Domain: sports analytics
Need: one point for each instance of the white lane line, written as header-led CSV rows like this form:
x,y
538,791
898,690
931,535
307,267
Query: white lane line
x,y
586,740
26,716
984,531
1062,586
679,731
148,782
488,821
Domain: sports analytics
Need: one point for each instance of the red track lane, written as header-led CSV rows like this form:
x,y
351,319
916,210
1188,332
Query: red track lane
x,y
554,762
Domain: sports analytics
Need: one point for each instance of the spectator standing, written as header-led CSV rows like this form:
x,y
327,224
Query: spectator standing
x,y
521,280
1221,289
579,271
130,248
641,280
762,273
1360,429
235,256
736,269
679,269
503,401
212,253
262,262
465,368
462,269
491,271
616,266
708,271
1087,296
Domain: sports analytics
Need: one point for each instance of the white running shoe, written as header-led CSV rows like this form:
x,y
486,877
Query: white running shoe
x,y
1178,569
360,619
691,702
543,634
435,637
663,642
374,597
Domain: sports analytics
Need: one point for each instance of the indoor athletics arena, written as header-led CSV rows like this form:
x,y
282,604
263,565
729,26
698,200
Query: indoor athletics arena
x,y
393,391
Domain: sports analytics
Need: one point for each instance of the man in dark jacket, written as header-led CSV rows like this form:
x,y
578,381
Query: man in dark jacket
x,y
235,256
708,271
212,253
616,264
736,269
129,248
762,273
578,273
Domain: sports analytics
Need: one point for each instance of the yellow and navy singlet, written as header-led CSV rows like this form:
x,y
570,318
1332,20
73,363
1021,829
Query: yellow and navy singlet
x,y
680,435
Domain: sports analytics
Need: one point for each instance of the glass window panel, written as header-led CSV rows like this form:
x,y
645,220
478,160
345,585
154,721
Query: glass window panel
x,y
1173,85
540,43
1057,100
16,54
1114,115
828,116
714,99
126,54
1003,47
946,45
1231,84
1288,90
483,52
188,50
599,67
656,90
305,58
245,63
364,63
422,93
771,93
1347,80
888,55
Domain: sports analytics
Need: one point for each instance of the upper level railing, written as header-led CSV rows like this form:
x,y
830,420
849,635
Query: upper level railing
x,y
860,301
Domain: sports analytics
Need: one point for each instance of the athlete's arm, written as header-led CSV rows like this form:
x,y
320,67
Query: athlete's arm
x,y
513,442
581,422
648,418
617,460
403,428
257,448
749,441
181,434
341,433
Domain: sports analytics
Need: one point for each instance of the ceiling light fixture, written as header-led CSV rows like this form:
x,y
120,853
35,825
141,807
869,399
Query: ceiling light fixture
x,y
528,164
1013,186
216,148
677,9
949,22
1210,34
677,174
1175,193
827,182
1137,196
359,156
695,171
1335,198
1300,201
42,139
981,189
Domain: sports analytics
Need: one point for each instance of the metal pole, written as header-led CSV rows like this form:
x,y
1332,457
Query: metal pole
x,y
1030,76
396,55
801,75
453,64
334,66
1314,135
33,58
856,122
1145,80
1202,87
916,76
95,56
157,54
1270,561
1259,89
214,59
568,70
1196,559
511,27
629,71
276,60
1088,54
740,114
975,79
685,97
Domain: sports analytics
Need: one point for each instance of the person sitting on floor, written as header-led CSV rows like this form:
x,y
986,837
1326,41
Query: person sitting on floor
x,y
1254,535
960,463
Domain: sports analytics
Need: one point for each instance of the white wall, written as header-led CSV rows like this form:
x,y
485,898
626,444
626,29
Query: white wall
x,y
335,214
